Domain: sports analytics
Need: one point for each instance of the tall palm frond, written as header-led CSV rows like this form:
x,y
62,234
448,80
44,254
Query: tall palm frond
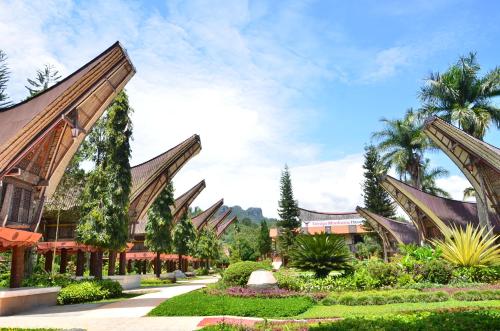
x,y
43,80
461,97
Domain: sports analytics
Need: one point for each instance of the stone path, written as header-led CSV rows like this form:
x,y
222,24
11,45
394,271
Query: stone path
x,y
122,315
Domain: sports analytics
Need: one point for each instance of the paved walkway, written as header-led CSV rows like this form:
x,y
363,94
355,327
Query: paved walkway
x,y
122,315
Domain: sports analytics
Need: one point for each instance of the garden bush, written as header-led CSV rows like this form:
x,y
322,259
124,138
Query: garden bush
x,y
239,272
44,279
199,303
89,290
477,295
383,273
429,321
153,281
434,271
383,297
288,280
482,274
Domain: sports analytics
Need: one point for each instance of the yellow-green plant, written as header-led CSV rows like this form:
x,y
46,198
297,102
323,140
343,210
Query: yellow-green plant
x,y
469,247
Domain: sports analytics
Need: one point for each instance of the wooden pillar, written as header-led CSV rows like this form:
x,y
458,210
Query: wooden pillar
x,y
111,263
80,263
92,263
144,267
64,261
123,263
48,261
129,266
98,264
17,267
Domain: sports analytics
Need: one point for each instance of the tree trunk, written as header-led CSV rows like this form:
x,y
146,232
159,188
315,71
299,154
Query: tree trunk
x,y
98,265
92,263
129,266
64,261
48,261
80,263
111,263
123,263
17,267
158,265
144,267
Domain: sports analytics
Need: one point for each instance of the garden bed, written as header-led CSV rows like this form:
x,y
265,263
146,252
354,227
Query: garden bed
x,y
199,303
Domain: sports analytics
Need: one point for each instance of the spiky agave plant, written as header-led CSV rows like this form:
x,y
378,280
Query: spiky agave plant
x,y
469,247
320,253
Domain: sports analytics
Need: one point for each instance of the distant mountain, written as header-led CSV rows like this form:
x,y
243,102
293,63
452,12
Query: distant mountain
x,y
253,213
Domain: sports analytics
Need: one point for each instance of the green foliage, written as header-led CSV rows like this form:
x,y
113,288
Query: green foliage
x,y
477,295
184,234
86,291
375,198
321,253
416,254
241,238
470,247
43,80
403,143
429,321
434,271
288,207
198,303
383,297
288,280
47,280
384,274
238,273
461,97
155,281
4,78
369,247
482,274
105,198
207,245
159,224
264,240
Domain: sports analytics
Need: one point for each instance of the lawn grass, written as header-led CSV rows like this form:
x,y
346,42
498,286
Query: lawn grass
x,y
428,321
379,310
198,303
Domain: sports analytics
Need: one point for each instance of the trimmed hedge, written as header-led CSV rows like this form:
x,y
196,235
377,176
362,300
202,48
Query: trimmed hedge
x,y
86,291
477,295
237,274
199,303
383,297
450,321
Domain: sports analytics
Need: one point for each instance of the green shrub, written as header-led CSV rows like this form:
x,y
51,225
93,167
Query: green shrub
x,y
89,290
481,274
199,303
81,292
384,274
383,297
113,288
434,271
320,253
363,280
155,281
477,295
44,279
429,321
201,272
239,272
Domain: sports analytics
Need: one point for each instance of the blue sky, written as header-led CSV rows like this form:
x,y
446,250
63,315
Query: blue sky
x,y
262,82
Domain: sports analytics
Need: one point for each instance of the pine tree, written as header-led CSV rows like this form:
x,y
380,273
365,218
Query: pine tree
x,y
105,199
265,241
44,79
184,235
289,215
4,78
159,225
376,199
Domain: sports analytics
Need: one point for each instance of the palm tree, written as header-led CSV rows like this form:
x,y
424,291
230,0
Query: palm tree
x,y
403,143
469,192
4,78
429,177
43,80
459,96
